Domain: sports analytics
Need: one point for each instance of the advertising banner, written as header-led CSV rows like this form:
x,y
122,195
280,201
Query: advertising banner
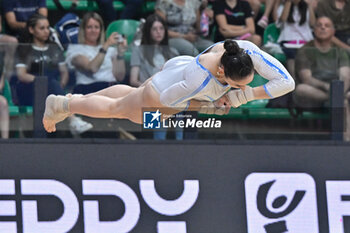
x,y
174,188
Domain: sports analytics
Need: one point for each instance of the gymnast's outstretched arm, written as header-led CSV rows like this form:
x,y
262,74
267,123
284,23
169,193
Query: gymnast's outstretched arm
x,y
280,81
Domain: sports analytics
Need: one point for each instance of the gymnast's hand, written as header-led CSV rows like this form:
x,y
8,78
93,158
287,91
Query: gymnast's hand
x,y
223,102
238,97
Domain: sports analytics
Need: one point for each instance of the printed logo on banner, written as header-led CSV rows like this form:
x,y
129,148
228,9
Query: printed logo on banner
x,y
91,209
281,202
338,205
151,120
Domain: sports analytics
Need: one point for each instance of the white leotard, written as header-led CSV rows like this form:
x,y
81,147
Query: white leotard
x,y
183,78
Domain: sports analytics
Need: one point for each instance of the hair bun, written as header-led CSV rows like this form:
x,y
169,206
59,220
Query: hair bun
x,y
231,47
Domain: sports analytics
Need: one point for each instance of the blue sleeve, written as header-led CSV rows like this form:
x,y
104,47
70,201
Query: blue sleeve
x,y
280,81
7,6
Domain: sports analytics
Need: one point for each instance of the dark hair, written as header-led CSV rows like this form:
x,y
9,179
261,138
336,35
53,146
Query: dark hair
x,y
148,43
302,6
237,63
25,36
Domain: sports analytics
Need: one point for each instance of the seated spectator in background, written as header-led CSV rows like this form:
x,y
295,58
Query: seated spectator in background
x,y
255,6
97,63
107,10
109,14
106,7
339,12
183,21
42,58
8,45
318,63
149,58
207,19
235,20
131,9
17,12
4,112
270,10
295,19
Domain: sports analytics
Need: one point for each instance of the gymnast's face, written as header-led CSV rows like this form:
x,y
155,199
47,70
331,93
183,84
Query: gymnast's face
x,y
157,32
240,83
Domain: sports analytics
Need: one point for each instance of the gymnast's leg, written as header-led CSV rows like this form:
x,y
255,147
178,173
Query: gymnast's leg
x,y
115,91
99,106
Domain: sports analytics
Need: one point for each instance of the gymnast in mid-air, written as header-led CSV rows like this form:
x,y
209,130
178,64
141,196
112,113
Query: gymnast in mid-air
x,y
213,82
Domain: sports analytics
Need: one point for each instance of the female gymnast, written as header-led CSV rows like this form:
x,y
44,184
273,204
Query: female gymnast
x,y
201,83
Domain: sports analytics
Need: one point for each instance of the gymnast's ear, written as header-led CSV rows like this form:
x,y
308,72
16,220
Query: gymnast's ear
x,y
221,70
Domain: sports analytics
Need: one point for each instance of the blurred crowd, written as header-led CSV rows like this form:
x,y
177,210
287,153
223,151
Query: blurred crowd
x,y
311,37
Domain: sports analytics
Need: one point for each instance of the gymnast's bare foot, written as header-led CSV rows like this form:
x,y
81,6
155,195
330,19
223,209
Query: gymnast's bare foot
x,y
56,110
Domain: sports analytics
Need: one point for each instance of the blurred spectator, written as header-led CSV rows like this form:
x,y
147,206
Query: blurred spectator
x,y
4,112
8,45
183,21
149,58
255,6
131,9
339,12
105,7
17,12
235,20
318,63
74,3
42,58
60,10
109,14
296,17
270,8
107,10
98,63
207,18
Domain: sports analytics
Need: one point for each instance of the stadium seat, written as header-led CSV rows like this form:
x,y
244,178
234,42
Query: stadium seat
x,y
128,28
213,32
13,109
257,81
90,5
83,5
148,7
271,34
